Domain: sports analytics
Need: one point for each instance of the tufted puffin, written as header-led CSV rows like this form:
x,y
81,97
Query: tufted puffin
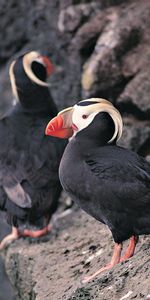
x,y
109,182
29,161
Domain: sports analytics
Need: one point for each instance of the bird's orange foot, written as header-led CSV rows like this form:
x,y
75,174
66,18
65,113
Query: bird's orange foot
x,y
10,238
131,248
114,260
16,234
116,257
105,268
37,233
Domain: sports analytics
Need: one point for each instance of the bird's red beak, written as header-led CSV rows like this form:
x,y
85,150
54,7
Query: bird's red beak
x,y
48,64
61,125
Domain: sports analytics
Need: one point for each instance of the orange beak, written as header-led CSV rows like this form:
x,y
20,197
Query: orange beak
x,y
60,126
48,64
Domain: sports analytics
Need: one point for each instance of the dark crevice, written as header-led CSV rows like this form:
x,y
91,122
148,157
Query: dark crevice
x,y
104,3
117,89
88,48
111,93
130,41
131,108
144,150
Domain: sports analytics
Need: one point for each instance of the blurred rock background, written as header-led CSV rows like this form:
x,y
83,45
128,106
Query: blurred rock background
x,y
99,48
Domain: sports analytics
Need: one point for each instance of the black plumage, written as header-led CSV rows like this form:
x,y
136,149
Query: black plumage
x,y
32,96
107,181
29,161
111,184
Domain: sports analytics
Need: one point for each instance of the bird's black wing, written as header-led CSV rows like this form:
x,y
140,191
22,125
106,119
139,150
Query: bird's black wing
x,y
34,180
123,175
41,167
9,183
29,162
41,180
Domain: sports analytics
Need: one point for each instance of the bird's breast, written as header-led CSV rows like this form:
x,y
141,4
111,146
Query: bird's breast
x,y
77,182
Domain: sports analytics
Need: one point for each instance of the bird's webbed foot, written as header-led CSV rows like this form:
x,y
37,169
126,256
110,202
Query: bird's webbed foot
x,y
14,235
36,233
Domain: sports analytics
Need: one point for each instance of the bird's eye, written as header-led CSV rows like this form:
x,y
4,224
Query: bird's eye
x,y
84,116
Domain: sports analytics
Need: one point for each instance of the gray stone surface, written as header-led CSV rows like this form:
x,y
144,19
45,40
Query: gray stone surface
x,y
53,270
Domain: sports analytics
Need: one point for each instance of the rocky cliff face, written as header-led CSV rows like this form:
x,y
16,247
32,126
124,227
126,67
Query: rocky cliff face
x,y
99,48
53,270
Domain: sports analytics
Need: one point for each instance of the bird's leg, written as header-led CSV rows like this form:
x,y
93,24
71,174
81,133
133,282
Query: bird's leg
x,y
37,233
114,260
131,248
14,235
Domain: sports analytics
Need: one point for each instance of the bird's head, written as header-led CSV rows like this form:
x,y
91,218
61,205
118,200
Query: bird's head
x,y
93,117
30,67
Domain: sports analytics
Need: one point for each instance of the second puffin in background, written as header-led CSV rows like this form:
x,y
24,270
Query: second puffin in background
x,y
110,183
29,161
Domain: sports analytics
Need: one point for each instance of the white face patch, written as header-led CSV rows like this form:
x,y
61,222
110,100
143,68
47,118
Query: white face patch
x,y
83,115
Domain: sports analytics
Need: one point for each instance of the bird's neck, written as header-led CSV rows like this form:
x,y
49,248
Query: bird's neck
x,y
37,99
85,145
